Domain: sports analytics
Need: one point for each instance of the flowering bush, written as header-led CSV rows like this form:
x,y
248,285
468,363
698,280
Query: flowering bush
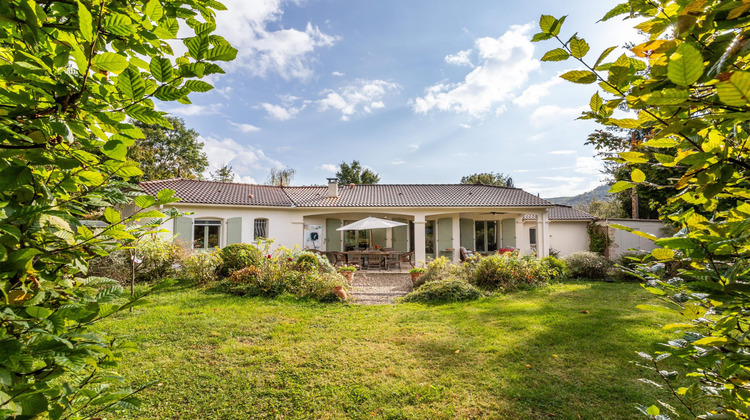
x,y
238,256
302,274
510,271
202,266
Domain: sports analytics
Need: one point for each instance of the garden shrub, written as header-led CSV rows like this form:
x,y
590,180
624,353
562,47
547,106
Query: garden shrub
x,y
202,266
510,271
115,266
435,270
626,264
450,289
556,268
284,271
587,265
157,258
238,256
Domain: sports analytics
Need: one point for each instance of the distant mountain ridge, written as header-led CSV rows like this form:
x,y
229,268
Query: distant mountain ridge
x,y
598,193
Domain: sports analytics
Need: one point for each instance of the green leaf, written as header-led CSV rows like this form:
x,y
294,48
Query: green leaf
x,y
736,90
579,76
603,55
620,9
596,103
620,186
558,54
221,53
198,86
637,176
115,149
144,201
131,84
85,25
154,10
161,69
112,62
111,215
38,311
546,22
685,65
119,25
667,97
578,47
147,115
197,46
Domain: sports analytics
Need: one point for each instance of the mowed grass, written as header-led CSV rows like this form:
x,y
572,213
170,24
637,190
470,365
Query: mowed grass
x,y
563,351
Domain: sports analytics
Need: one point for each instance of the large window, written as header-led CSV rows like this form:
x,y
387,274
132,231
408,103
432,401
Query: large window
x,y
429,237
356,239
206,233
485,234
260,229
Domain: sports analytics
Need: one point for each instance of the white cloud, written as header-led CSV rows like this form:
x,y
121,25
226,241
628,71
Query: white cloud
x,y
537,136
464,125
560,186
244,160
281,113
534,93
398,162
550,114
503,66
588,165
265,46
359,98
328,167
245,128
193,110
562,152
337,74
414,146
460,58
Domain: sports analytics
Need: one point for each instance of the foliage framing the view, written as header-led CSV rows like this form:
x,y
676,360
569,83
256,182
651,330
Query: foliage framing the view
x,y
689,85
71,74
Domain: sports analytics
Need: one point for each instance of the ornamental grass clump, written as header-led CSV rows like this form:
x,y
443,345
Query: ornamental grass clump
x,y
447,290
510,271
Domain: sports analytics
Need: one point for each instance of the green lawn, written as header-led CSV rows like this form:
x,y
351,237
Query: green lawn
x,y
529,354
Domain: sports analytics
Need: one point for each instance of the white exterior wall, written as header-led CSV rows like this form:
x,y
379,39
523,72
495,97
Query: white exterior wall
x,y
568,236
622,240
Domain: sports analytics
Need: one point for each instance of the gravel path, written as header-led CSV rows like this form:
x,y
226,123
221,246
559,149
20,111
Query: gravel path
x,y
374,288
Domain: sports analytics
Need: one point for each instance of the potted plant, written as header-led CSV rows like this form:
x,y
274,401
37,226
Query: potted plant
x,y
415,273
347,271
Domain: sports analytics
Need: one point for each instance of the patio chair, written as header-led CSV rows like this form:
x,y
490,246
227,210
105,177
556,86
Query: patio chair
x,y
356,259
407,257
339,258
465,254
392,260
374,261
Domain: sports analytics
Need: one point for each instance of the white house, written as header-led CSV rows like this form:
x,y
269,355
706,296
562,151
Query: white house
x,y
440,218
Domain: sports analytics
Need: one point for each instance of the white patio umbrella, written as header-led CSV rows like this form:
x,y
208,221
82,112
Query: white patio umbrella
x,y
370,223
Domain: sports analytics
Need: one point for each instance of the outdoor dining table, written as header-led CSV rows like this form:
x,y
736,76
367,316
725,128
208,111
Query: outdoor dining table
x,y
366,255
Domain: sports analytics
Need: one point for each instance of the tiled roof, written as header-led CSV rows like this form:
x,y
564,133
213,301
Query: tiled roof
x,y
560,212
378,195
212,192
415,195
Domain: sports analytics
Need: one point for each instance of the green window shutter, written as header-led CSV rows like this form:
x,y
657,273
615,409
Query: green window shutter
x,y
445,234
467,233
333,237
378,237
509,233
234,230
183,230
399,236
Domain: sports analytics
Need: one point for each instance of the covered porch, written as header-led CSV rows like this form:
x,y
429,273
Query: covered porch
x,y
430,234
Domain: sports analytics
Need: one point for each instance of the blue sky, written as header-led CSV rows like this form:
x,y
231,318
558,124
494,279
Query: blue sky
x,y
419,91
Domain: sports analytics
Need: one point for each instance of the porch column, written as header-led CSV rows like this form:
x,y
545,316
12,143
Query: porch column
x,y
539,236
522,240
545,227
456,245
419,238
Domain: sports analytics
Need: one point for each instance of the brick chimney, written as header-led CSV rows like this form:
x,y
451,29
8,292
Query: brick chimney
x,y
333,187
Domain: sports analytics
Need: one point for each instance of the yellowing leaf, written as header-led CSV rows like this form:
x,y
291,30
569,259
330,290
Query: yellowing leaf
x,y
685,65
637,176
662,254
736,90
711,341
